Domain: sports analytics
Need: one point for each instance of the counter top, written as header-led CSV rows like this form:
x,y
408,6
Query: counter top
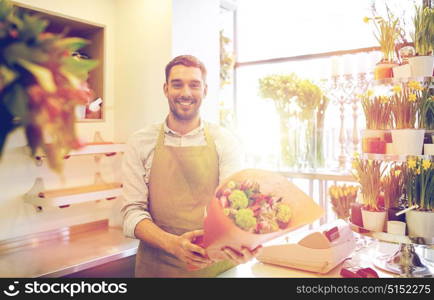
x,y
66,253
71,251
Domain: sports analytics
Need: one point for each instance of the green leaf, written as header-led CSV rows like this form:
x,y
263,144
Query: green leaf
x,y
16,101
42,75
31,27
6,126
73,80
18,51
6,9
6,77
78,67
71,43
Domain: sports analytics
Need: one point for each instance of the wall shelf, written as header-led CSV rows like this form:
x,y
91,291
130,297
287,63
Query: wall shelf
x,y
40,198
108,149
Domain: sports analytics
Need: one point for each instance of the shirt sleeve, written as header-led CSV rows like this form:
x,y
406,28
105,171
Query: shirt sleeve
x,y
134,189
231,154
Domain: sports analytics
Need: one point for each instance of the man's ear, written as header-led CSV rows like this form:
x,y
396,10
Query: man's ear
x,y
205,90
165,89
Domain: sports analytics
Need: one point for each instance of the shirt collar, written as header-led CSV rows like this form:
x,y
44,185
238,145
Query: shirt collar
x,y
193,132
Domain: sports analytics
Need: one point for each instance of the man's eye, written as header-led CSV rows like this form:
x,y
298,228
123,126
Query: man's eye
x,y
195,85
177,86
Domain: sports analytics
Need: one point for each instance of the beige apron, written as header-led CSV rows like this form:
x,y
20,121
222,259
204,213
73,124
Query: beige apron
x,y
182,181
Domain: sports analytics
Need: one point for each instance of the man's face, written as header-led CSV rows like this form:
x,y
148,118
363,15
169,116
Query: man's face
x,y
185,90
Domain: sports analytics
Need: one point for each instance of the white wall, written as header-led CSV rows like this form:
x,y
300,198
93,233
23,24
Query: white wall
x,y
143,48
196,32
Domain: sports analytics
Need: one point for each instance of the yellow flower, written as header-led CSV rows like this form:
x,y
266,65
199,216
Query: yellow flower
x,y
412,97
366,19
354,164
426,164
370,93
411,163
418,171
384,99
397,89
415,85
356,154
397,172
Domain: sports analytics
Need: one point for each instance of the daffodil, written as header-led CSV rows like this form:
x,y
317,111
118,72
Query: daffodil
x,y
384,99
397,172
370,93
354,164
411,163
412,97
418,171
356,154
366,19
426,164
415,85
397,89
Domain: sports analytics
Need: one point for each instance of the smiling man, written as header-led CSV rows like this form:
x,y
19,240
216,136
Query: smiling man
x,y
170,172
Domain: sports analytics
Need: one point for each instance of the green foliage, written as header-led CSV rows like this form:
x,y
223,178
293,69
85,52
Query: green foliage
x,y
303,100
419,182
245,219
423,35
40,83
238,199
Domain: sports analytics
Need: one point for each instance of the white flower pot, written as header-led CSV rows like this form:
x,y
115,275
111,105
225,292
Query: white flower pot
x,y
403,71
428,149
389,148
420,223
374,220
396,227
421,66
408,141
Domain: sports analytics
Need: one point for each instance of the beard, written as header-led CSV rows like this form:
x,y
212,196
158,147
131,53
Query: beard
x,y
184,113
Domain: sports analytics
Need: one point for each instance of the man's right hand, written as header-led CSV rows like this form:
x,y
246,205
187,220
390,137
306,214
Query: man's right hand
x,y
192,254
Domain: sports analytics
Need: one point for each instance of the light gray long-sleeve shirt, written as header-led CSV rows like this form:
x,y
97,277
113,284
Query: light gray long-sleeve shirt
x,y
137,162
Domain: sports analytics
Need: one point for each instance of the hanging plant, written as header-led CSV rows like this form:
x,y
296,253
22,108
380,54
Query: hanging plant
x,y
40,84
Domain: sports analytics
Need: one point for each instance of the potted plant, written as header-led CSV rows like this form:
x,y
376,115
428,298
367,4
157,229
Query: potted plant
x,y
419,192
41,83
369,173
387,33
405,102
423,38
393,187
377,110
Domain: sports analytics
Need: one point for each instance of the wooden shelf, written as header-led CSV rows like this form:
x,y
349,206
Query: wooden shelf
x,y
41,198
108,149
75,27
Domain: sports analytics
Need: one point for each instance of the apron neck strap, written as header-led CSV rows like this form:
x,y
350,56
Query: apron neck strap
x,y
160,141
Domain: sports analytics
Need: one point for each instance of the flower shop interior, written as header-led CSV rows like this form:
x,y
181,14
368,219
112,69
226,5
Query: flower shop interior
x,y
330,107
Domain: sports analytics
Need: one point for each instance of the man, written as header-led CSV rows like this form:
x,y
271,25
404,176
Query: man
x,y
170,173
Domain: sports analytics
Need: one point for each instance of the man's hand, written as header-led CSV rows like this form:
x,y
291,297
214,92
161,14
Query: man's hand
x,y
192,254
242,256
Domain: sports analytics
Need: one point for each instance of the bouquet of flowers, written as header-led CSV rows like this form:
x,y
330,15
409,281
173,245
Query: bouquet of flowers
x,y
254,206
253,211
41,82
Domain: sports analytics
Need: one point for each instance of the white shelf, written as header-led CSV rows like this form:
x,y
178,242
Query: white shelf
x,y
392,157
41,198
386,81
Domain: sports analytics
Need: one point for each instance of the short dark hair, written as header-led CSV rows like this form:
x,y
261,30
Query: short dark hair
x,y
188,61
